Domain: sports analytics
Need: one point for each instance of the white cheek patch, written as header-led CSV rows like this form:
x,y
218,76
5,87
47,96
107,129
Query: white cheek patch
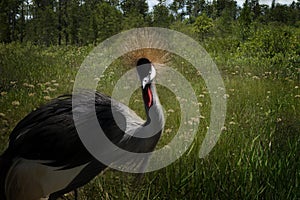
x,y
152,73
149,77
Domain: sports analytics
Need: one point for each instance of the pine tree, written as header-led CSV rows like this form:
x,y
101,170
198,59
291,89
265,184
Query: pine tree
x,y
9,10
178,9
161,15
202,25
134,6
245,20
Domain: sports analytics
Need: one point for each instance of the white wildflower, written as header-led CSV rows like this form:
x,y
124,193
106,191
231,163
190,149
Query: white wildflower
x,y
15,103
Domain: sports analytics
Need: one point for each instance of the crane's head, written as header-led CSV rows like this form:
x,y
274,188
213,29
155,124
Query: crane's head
x,y
146,74
146,71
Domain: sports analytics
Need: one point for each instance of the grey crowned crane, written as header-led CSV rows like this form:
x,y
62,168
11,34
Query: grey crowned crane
x,y
46,158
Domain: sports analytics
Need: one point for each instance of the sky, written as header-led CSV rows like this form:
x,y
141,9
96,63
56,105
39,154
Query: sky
x,y
151,3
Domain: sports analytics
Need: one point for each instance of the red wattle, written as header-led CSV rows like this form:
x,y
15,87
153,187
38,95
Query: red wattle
x,y
150,97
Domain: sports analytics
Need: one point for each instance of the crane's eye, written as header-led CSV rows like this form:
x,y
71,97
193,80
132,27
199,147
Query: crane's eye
x,y
146,79
145,82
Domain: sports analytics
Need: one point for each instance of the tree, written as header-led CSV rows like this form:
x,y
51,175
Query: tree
x,y
130,7
202,25
9,12
135,13
114,3
295,13
229,6
280,13
97,20
224,24
108,20
42,27
73,21
256,9
161,15
134,20
273,4
245,20
195,7
178,9
211,9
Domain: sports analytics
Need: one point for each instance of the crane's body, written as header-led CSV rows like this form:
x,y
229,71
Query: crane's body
x,y
46,158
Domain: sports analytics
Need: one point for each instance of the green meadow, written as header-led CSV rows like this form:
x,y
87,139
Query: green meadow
x,y
257,155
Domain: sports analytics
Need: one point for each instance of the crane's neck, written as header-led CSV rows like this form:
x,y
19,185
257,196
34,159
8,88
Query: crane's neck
x,y
153,108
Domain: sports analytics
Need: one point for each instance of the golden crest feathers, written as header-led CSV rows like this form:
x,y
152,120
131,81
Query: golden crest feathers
x,y
145,43
153,55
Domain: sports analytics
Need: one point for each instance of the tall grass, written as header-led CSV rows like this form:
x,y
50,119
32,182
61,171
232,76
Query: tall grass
x,y
257,156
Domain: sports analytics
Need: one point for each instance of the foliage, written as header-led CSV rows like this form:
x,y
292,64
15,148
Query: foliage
x,y
133,20
184,27
161,16
134,6
177,8
82,22
277,46
255,158
106,21
202,25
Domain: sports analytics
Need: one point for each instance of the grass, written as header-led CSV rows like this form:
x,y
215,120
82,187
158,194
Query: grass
x,y
257,156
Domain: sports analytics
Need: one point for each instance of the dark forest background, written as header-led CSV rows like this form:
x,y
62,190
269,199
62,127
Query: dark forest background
x,y
81,22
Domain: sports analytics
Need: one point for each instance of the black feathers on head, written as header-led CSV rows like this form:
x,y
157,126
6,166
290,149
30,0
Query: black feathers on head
x,y
143,67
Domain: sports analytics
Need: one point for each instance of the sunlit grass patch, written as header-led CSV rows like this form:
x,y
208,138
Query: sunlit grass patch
x,y
256,157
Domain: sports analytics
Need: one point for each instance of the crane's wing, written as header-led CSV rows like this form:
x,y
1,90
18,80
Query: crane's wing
x,y
49,135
